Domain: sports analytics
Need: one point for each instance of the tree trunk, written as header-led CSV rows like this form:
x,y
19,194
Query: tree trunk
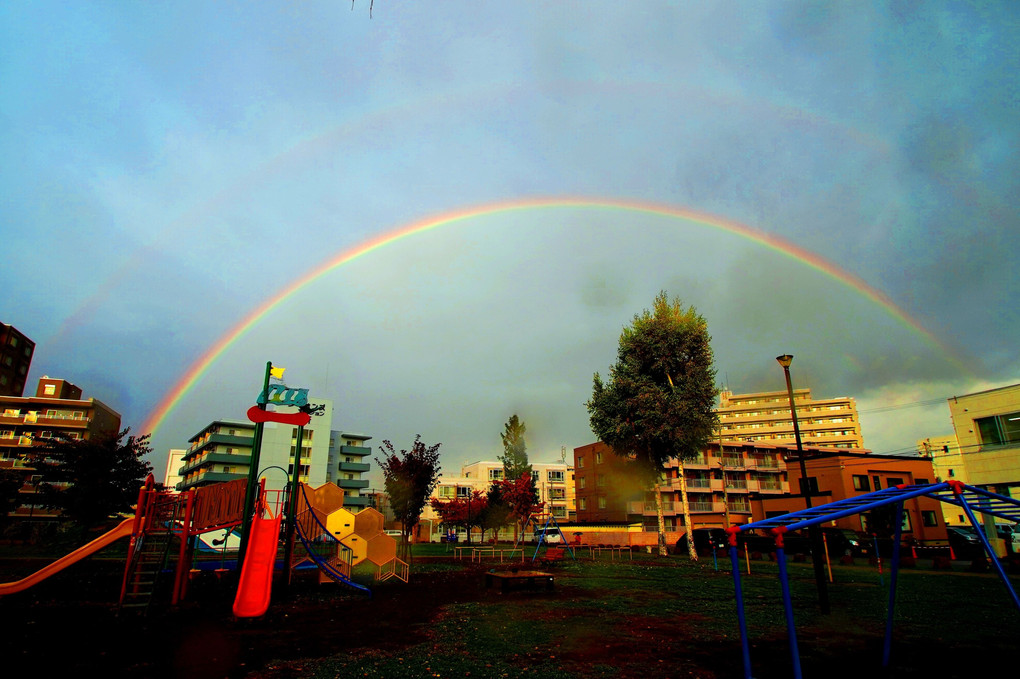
x,y
662,522
687,512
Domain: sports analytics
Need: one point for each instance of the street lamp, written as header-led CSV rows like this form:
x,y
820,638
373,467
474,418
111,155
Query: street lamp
x,y
785,360
814,533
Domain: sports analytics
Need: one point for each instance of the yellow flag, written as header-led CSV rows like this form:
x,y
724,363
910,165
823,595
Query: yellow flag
x,y
276,372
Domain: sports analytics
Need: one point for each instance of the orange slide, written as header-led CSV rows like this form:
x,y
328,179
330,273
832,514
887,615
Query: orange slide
x,y
122,530
257,572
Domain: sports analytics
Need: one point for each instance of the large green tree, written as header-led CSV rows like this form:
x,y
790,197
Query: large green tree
x,y
410,478
658,404
90,480
515,449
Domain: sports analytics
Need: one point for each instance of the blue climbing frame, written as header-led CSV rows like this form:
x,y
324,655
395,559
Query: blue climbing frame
x,y
966,497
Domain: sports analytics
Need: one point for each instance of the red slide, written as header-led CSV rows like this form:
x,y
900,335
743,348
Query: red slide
x,y
123,530
257,572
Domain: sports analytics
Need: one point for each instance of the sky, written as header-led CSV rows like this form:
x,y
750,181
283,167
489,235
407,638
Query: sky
x,y
438,215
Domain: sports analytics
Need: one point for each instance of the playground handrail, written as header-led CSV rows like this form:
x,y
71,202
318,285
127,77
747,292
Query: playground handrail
x,y
306,522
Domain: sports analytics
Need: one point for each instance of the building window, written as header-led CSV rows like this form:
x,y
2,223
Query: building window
x,y
602,503
861,483
582,503
809,485
892,482
582,481
600,480
49,389
878,482
580,461
598,458
921,482
952,473
495,474
999,429
929,518
555,476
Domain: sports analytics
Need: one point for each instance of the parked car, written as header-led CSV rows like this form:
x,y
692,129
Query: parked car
x,y
548,536
705,540
965,542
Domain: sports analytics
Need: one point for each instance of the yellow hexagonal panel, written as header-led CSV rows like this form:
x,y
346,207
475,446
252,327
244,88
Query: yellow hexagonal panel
x,y
381,549
327,498
368,523
341,524
359,548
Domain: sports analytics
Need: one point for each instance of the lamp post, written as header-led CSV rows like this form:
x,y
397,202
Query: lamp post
x,y
785,360
814,534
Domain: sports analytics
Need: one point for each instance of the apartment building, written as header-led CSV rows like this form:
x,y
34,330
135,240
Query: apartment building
x,y
764,417
222,450
554,482
26,423
347,466
840,474
725,484
987,427
15,360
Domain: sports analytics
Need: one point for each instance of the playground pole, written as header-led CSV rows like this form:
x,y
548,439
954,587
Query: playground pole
x,y
253,473
893,576
958,491
791,628
745,643
288,548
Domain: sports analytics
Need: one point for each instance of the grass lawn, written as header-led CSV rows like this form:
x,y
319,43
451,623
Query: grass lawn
x,y
672,617
650,617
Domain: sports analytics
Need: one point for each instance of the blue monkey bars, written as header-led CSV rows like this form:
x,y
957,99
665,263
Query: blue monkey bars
x,y
967,497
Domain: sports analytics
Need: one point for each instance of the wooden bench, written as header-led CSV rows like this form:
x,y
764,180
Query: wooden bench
x,y
551,556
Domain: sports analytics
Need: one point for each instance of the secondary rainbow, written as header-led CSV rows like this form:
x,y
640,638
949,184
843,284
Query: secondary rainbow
x,y
773,242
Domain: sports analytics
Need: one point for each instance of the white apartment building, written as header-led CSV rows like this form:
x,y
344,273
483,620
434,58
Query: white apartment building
x,y
555,484
764,417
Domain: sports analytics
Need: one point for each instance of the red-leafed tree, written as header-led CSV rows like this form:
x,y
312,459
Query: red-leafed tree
x,y
462,512
410,478
519,496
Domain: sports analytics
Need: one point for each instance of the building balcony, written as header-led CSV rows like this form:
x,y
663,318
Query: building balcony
x,y
736,486
705,507
699,462
209,477
648,508
225,439
358,467
360,501
360,451
763,464
738,507
766,487
352,484
704,485
212,458
732,462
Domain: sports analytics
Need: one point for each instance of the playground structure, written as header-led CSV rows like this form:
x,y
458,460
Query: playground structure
x,y
336,539
541,530
166,527
968,498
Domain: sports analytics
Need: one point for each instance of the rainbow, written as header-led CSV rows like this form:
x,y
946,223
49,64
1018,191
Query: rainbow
x,y
771,241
